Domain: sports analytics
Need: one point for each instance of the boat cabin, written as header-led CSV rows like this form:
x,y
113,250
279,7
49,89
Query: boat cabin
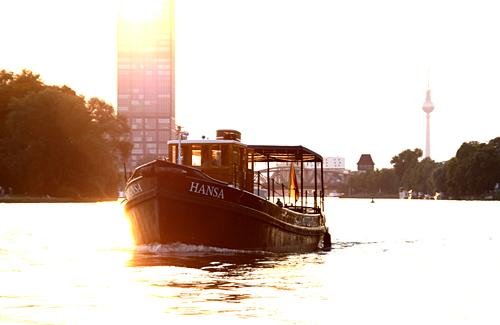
x,y
225,158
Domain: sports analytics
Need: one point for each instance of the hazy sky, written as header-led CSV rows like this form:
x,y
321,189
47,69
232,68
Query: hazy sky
x,y
341,77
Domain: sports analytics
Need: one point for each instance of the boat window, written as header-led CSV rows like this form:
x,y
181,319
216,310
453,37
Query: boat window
x,y
173,154
216,154
196,155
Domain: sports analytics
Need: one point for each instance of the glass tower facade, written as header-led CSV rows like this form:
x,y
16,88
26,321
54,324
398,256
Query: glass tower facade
x,y
146,81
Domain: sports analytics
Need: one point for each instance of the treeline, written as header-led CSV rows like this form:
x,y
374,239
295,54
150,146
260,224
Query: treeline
x,y
472,174
54,142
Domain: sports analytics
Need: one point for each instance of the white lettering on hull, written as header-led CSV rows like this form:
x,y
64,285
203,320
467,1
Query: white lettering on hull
x,y
133,190
207,190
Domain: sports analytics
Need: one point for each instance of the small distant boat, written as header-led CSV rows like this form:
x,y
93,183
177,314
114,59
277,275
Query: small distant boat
x,y
204,195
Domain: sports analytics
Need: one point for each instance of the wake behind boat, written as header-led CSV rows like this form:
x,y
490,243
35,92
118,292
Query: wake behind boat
x,y
204,195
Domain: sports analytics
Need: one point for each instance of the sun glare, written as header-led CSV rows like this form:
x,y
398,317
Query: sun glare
x,y
140,10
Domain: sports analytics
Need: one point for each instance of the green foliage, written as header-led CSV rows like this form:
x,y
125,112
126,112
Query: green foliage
x,y
55,143
16,86
472,173
114,130
475,170
408,173
378,182
405,165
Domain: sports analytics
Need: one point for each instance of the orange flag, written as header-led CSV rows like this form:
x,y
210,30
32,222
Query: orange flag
x,y
294,185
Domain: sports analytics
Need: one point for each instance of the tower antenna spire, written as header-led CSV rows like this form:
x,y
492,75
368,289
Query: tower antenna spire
x,y
428,77
428,107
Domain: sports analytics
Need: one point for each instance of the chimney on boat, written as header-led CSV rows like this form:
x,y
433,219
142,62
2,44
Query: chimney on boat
x,y
227,134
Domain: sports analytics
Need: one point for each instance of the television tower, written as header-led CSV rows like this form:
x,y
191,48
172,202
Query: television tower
x,y
428,108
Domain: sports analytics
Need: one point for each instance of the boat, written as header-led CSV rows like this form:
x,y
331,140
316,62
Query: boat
x,y
206,193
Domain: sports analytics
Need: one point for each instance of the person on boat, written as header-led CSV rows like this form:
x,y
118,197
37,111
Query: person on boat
x,y
278,203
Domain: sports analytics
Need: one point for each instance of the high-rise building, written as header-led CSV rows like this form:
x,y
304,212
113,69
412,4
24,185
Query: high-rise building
x,y
146,80
428,107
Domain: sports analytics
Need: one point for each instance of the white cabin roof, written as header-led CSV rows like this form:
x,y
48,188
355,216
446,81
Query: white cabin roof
x,y
207,142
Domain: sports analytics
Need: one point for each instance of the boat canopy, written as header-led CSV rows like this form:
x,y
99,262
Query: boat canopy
x,y
267,153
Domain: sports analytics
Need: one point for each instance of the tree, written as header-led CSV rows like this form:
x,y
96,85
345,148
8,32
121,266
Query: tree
x,y
439,178
16,86
48,149
55,143
113,129
472,173
404,165
422,180
387,181
474,170
377,182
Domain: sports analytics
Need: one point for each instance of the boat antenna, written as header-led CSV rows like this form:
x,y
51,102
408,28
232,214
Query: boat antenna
x,y
181,135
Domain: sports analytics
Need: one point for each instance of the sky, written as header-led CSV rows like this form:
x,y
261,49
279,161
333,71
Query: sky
x,y
342,78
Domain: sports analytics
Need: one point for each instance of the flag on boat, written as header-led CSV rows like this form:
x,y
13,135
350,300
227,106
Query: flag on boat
x,y
293,191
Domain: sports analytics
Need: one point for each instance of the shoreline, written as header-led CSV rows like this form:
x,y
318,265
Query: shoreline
x,y
49,199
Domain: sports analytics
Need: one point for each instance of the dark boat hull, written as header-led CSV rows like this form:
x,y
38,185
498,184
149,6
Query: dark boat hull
x,y
180,204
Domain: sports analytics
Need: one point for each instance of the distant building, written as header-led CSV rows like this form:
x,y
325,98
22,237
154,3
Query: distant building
x,y
329,163
365,163
146,82
334,162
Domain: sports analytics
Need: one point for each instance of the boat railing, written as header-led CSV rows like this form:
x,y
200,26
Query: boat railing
x,y
279,191
304,209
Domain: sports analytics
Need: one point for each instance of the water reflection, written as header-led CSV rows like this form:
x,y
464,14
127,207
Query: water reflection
x,y
342,245
209,259
213,279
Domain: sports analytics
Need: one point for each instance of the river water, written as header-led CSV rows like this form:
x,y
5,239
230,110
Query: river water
x,y
393,262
